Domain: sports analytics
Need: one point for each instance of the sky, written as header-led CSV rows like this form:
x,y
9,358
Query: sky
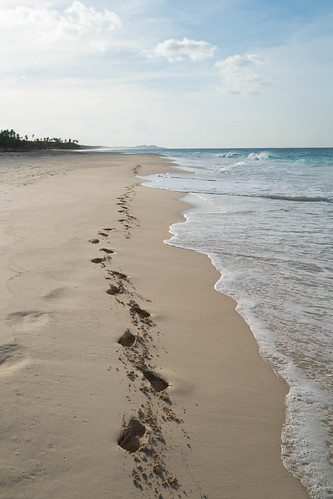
x,y
175,73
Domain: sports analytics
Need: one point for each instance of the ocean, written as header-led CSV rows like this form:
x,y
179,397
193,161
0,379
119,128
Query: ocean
x,y
265,219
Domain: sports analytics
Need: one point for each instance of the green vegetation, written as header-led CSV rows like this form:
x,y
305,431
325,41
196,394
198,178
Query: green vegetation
x,y
12,141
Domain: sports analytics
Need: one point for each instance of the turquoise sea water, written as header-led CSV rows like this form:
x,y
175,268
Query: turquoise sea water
x,y
265,219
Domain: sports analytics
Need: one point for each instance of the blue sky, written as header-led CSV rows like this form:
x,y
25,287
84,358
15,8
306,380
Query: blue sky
x,y
219,73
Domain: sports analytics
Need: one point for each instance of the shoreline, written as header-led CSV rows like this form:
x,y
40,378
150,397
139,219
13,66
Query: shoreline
x,y
268,393
213,431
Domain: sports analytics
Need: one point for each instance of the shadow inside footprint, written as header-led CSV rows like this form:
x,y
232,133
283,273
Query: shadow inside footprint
x,y
108,251
159,384
97,260
127,339
131,437
94,241
136,309
113,290
118,274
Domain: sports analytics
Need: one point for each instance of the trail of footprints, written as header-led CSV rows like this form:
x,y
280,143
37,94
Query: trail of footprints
x,y
142,434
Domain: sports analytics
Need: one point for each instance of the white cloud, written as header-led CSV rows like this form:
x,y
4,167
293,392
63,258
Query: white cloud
x,y
27,32
84,18
178,50
238,75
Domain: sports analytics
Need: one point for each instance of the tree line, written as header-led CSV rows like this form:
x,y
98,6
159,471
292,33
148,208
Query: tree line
x,y
10,140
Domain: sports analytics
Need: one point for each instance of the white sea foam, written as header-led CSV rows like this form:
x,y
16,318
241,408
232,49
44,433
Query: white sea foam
x,y
230,154
258,156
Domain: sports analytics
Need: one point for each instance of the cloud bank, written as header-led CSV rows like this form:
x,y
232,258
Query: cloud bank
x,y
178,50
238,75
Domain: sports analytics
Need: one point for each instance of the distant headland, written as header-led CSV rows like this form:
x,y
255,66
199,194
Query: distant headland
x,y
12,141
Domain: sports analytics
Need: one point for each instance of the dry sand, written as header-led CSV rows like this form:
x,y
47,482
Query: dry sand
x,y
83,262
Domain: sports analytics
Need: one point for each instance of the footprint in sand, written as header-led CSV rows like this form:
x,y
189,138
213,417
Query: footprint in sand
x,y
132,436
98,260
159,384
113,290
134,307
11,359
108,251
118,274
127,339
8,351
29,319
55,294
94,241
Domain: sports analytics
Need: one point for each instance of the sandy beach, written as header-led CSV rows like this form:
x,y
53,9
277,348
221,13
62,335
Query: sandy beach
x,y
124,374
